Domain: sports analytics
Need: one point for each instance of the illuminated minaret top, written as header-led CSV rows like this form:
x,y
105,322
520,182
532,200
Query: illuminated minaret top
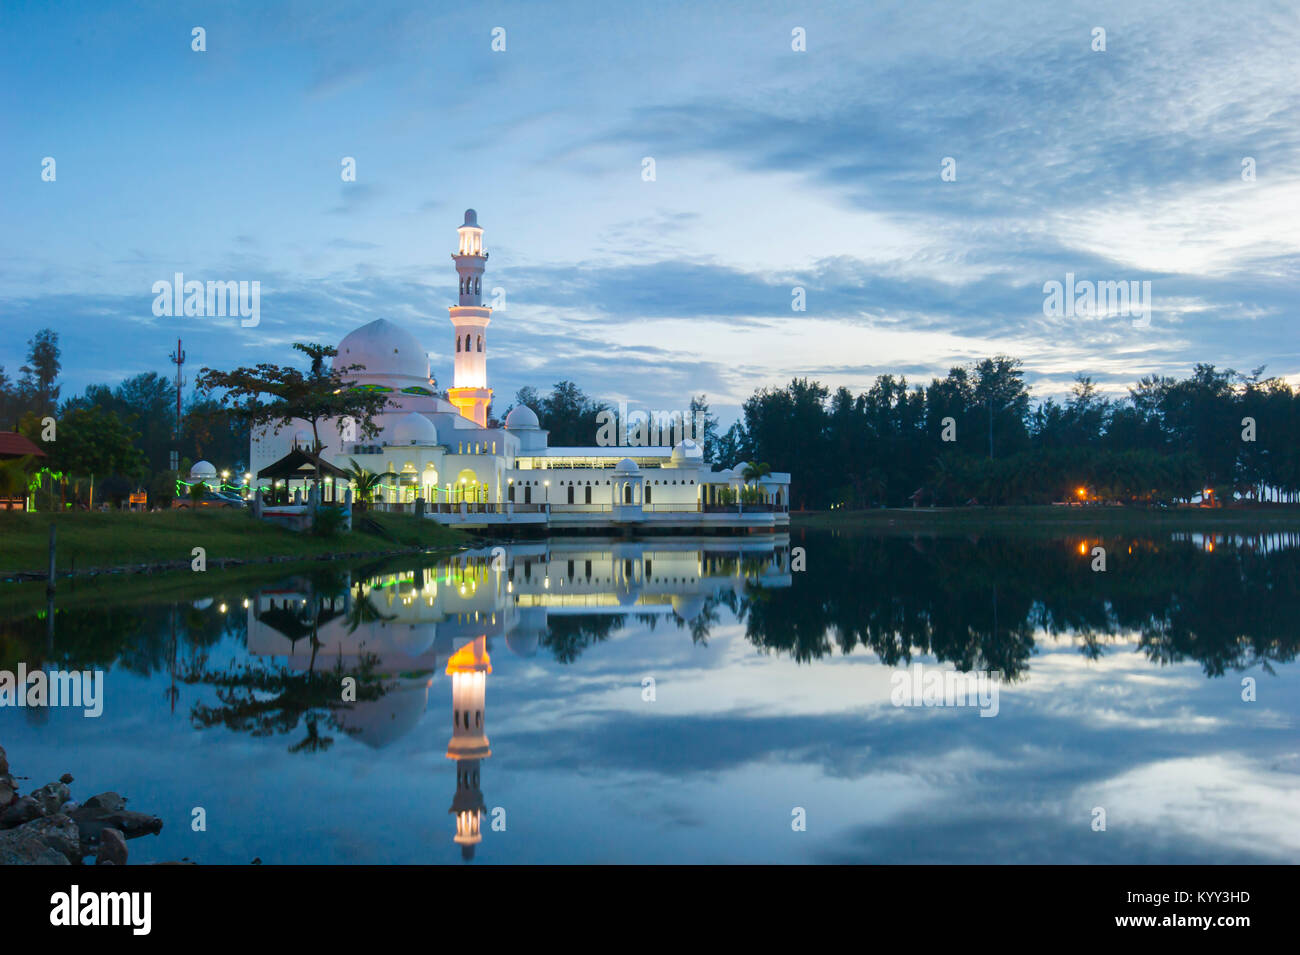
x,y
469,392
469,667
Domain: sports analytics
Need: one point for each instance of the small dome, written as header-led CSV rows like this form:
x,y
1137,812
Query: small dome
x,y
471,218
687,450
378,723
203,471
412,429
688,608
521,416
627,466
522,643
385,349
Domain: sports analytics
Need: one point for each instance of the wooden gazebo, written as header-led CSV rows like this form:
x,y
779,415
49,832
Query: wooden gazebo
x,y
301,465
14,446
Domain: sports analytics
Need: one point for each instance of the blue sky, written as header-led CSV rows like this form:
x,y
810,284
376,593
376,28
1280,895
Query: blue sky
x,y
774,169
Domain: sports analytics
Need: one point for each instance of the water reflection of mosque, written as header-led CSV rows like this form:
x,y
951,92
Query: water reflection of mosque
x,y
411,623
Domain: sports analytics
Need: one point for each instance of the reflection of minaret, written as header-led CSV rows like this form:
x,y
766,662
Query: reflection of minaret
x,y
468,668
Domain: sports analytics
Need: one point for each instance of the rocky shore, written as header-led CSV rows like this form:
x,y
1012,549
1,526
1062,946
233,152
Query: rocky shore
x,y
46,827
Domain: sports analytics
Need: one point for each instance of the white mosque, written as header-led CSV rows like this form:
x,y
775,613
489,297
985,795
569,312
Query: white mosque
x,y
470,470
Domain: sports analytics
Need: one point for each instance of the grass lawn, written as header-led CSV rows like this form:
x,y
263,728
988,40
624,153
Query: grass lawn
x,y
1050,520
100,541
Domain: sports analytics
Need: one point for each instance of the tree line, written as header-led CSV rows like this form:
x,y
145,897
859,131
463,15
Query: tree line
x,y
975,436
109,441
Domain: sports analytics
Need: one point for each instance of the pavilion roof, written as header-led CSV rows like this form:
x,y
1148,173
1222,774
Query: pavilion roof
x,y
15,445
300,464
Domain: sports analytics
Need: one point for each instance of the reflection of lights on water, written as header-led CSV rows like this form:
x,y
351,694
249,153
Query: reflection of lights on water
x,y
222,608
1083,547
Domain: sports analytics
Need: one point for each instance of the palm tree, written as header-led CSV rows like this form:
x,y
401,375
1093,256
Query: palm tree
x,y
367,482
754,472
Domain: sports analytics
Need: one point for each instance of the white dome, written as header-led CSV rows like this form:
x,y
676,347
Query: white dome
x,y
687,450
521,416
413,428
203,471
386,350
627,466
414,639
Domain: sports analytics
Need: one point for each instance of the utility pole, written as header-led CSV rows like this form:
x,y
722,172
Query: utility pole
x,y
177,359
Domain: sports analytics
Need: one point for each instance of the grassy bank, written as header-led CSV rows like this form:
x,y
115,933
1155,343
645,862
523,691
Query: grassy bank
x,y
1052,520
97,542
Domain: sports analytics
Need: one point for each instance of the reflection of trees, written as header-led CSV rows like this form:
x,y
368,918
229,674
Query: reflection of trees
x,y
133,637
264,700
568,636
978,602
974,602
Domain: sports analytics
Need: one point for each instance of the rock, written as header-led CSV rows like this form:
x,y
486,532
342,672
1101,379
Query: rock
x,y
112,848
51,796
7,792
4,762
23,847
60,833
109,801
94,822
24,809
65,778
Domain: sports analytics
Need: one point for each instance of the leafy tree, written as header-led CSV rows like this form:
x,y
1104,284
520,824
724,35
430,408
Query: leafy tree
x,y
37,389
276,396
90,443
568,413
708,441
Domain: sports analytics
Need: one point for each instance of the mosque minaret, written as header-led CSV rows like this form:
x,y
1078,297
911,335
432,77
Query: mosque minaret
x,y
469,318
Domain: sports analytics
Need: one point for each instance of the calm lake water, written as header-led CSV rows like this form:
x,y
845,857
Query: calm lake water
x,y
691,700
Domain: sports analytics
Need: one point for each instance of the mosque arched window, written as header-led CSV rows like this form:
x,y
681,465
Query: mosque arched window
x,y
467,337
458,343
480,343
